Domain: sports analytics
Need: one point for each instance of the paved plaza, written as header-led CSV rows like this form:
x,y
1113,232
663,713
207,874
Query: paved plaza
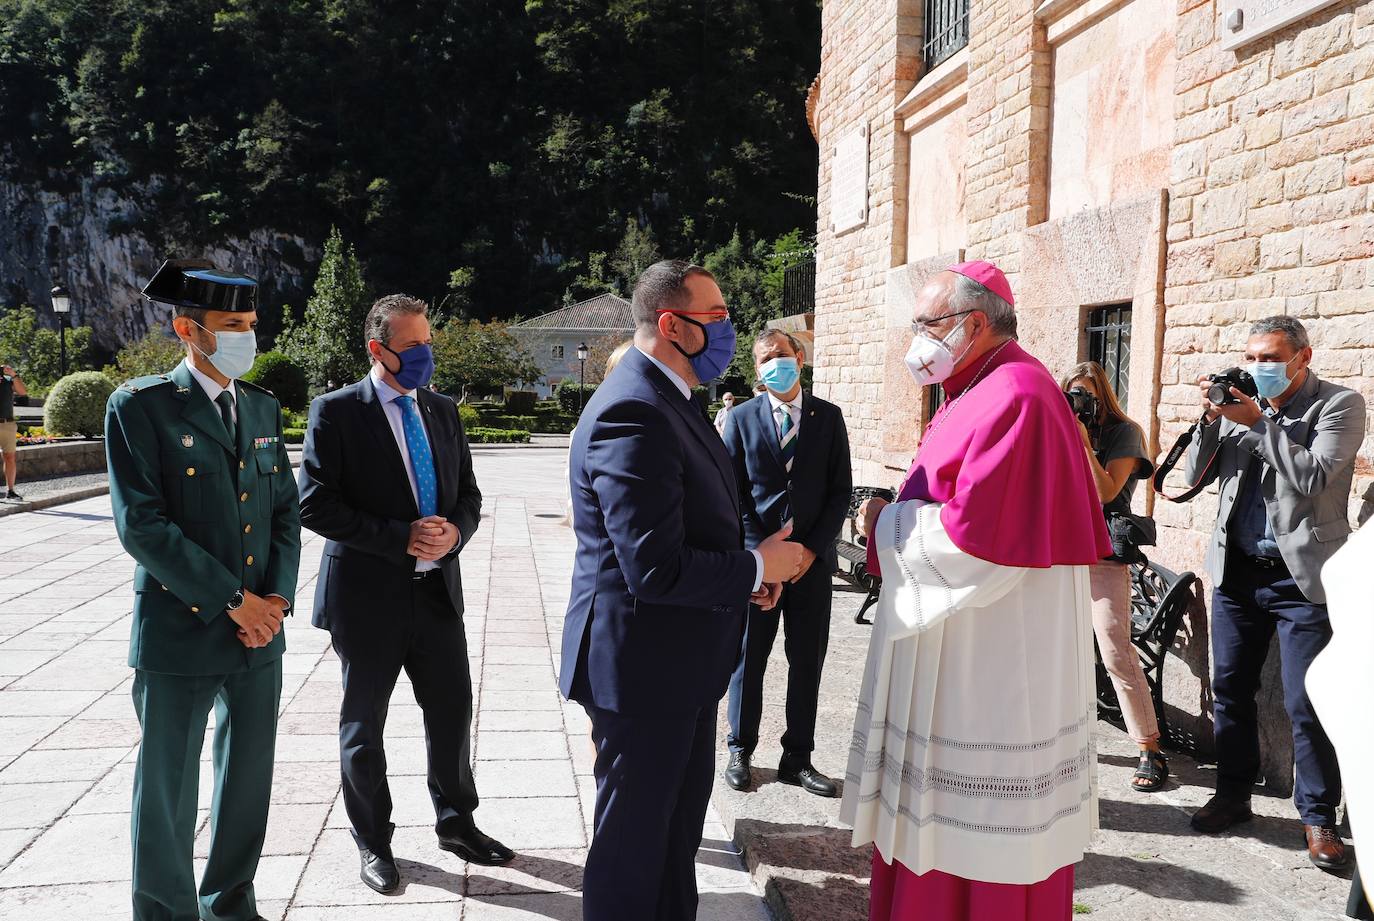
x,y
68,734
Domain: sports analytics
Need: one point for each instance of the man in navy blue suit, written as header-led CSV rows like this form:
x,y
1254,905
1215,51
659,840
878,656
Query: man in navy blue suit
x,y
660,587
791,455
387,478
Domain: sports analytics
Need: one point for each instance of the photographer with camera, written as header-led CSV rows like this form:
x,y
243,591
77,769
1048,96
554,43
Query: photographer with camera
x,y
1118,460
1284,467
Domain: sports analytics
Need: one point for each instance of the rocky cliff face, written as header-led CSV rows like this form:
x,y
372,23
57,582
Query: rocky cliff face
x,y
83,240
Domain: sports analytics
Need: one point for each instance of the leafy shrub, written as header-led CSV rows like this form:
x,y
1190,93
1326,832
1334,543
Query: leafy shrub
x,y
567,395
76,404
279,374
293,436
469,416
485,436
520,402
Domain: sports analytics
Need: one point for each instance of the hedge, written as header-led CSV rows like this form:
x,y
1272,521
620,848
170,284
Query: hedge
x,y
293,436
76,404
485,436
276,372
567,397
520,402
469,416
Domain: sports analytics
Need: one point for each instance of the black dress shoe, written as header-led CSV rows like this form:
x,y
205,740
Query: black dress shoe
x,y
379,871
475,847
737,772
1220,813
802,774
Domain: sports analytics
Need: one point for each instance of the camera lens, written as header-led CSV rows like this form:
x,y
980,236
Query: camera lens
x,y
1219,393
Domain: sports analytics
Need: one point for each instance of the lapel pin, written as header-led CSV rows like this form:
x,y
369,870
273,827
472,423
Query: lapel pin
x,y
187,441
183,390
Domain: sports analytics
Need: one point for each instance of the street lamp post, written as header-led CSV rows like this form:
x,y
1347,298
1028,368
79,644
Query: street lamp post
x,y
581,376
62,306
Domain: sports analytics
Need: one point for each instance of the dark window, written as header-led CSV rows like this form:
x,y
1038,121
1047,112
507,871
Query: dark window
x,y
946,30
556,353
935,398
1109,344
799,288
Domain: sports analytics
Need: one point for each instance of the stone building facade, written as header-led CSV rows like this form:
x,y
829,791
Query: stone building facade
x,y
1152,175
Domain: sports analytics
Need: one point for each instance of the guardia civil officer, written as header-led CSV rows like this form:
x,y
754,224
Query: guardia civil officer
x,y
204,502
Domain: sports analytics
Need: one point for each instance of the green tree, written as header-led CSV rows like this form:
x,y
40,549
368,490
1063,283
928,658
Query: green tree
x,y
327,343
482,357
36,351
739,267
155,353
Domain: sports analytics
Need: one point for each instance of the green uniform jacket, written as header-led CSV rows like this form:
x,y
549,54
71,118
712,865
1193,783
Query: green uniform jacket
x,y
201,518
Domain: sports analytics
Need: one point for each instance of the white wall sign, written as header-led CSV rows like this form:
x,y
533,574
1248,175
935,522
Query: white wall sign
x,y
1243,21
849,182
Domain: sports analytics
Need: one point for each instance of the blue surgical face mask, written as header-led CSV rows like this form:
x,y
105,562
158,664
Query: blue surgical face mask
x,y
711,360
417,366
234,352
780,375
1271,377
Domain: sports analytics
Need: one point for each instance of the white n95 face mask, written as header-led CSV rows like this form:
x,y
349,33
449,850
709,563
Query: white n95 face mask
x,y
931,361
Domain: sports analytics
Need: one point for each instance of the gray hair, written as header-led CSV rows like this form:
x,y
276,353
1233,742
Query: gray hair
x,y
970,295
378,323
662,286
1291,327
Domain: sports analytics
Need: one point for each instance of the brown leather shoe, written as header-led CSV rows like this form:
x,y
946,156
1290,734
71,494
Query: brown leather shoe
x,y
1220,813
1325,847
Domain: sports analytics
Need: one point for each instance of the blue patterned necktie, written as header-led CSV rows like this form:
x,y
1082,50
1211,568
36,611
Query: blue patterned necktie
x,y
787,437
421,460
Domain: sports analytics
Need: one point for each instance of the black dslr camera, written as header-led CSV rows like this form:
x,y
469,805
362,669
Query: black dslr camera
x,y
1220,391
1083,404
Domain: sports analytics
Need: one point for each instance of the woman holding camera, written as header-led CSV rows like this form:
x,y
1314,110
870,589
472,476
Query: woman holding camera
x,y
1117,457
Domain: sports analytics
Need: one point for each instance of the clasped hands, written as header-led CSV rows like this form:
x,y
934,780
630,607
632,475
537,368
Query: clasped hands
x,y
783,561
431,538
259,619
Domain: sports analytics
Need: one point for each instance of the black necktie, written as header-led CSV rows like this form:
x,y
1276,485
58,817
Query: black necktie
x,y
226,412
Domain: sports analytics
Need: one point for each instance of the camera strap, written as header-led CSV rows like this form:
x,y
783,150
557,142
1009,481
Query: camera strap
x,y
1175,455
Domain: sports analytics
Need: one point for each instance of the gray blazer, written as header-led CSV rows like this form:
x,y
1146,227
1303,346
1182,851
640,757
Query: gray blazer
x,y
1307,463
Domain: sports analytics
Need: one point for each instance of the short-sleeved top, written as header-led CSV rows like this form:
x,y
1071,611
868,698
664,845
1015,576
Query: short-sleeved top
x,y
6,398
1114,441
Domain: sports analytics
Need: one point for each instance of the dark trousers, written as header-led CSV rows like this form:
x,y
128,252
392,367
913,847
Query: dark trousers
x,y
1357,906
424,635
1247,608
804,611
173,711
653,784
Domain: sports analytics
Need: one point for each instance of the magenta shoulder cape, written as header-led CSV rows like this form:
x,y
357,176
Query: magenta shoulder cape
x,y
1009,468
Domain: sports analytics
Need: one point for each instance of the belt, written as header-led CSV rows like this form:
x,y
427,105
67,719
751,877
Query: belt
x,y
1265,562
427,574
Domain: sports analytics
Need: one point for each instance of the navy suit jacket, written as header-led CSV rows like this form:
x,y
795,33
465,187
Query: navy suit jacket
x,y
661,580
817,493
355,492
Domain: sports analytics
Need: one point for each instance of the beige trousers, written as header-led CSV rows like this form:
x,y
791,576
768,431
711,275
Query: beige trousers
x,y
1111,591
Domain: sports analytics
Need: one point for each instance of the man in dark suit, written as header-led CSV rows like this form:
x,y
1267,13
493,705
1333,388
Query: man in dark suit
x,y
791,455
387,478
660,585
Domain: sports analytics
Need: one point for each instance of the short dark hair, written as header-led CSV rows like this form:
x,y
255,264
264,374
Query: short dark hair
x,y
196,315
662,286
378,323
767,334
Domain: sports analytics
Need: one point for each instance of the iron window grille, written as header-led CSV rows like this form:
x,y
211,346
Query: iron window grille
x,y
1109,344
946,30
799,288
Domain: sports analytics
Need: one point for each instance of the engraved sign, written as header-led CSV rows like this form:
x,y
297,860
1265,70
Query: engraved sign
x,y
1244,21
849,182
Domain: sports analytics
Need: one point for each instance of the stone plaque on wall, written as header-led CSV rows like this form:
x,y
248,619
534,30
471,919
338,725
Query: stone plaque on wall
x,y
849,182
1243,21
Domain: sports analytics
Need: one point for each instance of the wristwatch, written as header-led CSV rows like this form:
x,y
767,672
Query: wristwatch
x,y
235,602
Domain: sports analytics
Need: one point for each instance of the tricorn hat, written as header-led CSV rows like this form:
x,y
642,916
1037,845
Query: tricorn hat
x,y
197,283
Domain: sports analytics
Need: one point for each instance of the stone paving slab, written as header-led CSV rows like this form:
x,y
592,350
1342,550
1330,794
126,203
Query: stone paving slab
x,y
68,736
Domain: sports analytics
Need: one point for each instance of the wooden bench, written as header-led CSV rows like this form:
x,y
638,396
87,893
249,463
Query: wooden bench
x,y
1159,601
853,550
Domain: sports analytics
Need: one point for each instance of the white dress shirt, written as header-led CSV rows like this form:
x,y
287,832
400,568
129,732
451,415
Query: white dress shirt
x,y
388,395
687,395
213,390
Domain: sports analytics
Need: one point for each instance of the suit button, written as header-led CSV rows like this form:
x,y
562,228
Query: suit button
x,y
243,497
274,468
249,561
190,471
242,465
248,529
195,610
164,588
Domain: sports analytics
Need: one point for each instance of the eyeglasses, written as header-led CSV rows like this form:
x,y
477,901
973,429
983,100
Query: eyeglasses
x,y
716,314
921,327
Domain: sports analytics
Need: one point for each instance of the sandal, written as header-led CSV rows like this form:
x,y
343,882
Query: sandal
x,y
1153,771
